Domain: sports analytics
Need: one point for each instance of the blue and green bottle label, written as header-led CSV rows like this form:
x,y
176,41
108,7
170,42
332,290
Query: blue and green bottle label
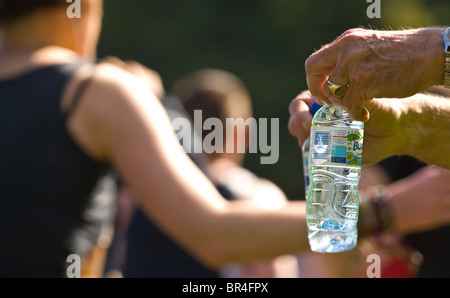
x,y
336,146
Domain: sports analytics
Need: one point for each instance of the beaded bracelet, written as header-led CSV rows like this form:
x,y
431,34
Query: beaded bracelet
x,y
383,214
376,212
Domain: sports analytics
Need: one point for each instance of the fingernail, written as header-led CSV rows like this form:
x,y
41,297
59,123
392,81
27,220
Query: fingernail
x,y
366,114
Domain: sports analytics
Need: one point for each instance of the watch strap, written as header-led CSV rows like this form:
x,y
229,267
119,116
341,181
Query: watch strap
x,y
446,39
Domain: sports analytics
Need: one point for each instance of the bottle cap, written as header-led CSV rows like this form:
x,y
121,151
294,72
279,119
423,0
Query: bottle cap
x,y
314,108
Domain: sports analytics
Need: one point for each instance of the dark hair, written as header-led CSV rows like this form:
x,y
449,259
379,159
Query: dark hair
x,y
11,10
218,93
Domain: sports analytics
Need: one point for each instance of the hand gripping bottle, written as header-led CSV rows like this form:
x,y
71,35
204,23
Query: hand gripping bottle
x,y
334,170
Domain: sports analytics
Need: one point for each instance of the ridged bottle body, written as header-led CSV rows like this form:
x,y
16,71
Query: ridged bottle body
x,y
334,169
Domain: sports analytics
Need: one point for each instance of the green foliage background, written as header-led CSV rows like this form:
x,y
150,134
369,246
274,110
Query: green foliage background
x,y
265,42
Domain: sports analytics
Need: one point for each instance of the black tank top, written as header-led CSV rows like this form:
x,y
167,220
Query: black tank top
x,y
46,180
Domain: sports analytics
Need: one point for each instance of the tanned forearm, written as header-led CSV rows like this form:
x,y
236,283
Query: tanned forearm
x,y
431,63
428,117
251,233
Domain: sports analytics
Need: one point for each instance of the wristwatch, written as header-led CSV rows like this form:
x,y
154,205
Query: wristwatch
x,y
446,38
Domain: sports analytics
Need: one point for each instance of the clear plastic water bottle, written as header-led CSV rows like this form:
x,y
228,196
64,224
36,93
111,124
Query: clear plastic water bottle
x,y
334,170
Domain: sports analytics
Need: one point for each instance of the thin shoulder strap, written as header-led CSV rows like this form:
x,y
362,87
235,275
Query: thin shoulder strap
x,y
73,104
77,97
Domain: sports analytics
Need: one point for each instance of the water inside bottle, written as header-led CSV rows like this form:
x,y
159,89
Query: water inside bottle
x,y
332,208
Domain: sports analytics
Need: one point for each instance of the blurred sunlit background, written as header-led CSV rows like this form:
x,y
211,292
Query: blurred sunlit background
x,y
264,42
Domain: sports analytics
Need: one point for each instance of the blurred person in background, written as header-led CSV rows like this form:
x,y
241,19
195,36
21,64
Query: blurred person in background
x,y
222,95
